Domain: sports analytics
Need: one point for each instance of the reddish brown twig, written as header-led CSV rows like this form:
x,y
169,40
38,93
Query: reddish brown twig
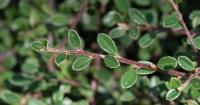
x,y
72,24
120,59
190,37
187,31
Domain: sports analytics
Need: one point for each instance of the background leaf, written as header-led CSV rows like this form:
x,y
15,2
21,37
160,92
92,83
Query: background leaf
x,y
136,16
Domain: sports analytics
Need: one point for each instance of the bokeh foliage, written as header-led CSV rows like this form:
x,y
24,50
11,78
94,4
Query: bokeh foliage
x,y
142,30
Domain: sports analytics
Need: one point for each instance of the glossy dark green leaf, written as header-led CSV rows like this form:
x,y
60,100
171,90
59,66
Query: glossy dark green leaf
x,y
167,63
197,42
196,83
122,5
117,32
60,58
37,45
74,39
81,63
144,71
174,83
146,40
136,16
129,78
106,43
134,32
186,63
111,62
172,94
111,18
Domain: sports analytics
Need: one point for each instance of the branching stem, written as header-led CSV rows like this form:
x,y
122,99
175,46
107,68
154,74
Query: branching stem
x,y
120,59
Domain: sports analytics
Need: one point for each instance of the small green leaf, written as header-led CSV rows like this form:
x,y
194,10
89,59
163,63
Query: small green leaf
x,y
146,40
170,21
134,32
44,42
196,83
10,97
127,96
186,63
197,42
111,62
4,3
60,58
144,71
129,78
174,83
59,20
136,16
34,101
117,32
195,22
81,63
167,63
172,94
106,43
37,45
122,5
74,39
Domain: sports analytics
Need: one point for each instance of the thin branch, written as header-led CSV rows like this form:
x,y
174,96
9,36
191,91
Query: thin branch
x,y
190,37
150,27
187,82
188,33
72,24
74,21
120,59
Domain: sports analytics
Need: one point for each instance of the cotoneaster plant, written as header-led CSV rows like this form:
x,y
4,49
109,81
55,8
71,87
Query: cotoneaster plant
x,y
181,80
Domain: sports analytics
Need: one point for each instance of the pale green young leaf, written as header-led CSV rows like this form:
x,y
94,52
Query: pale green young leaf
x,y
106,43
174,83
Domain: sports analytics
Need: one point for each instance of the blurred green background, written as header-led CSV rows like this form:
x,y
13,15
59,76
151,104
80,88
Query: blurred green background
x,y
31,78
